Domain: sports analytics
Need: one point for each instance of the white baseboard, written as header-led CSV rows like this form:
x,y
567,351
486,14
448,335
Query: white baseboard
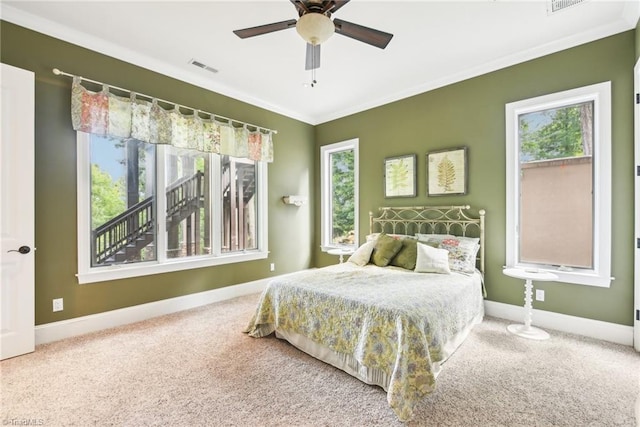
x,y
605,331
55,331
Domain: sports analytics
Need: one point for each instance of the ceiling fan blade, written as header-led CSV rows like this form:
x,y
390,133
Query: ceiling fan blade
x,y
264,29
367,35
312,58
333,6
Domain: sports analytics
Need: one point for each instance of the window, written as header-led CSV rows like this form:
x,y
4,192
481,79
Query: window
x,y
239,207
339,187
559,184
122,202
147,209
188,204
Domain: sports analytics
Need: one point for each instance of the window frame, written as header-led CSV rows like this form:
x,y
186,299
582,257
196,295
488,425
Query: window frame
x,y
162,264
600,94
326,192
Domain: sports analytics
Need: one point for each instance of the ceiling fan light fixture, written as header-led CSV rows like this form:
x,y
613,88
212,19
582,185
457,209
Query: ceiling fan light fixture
x,y
315,28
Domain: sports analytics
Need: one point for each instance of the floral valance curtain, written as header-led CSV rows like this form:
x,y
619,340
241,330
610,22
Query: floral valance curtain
x,y
104,113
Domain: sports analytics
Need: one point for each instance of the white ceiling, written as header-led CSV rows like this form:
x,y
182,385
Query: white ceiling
x,y
435,43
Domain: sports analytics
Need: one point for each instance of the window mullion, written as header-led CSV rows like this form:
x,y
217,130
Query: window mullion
x,y
215,181
161,203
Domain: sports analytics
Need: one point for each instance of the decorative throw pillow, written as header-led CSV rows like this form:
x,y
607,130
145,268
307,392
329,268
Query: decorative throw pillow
x,y
406,256
362,255
385,249
431,260
462,253
432,240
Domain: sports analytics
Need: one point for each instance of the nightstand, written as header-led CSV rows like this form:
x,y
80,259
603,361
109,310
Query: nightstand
x,y
526,330
342,252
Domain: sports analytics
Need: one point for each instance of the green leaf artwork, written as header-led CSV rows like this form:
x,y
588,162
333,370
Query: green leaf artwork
x,y
399,174
446,174
399,177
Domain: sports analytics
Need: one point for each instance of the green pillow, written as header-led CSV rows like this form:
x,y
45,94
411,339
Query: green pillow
x,y
384,251
406,257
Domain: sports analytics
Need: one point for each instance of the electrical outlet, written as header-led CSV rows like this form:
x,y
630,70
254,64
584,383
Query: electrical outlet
x,y
58,304
539,294
272,267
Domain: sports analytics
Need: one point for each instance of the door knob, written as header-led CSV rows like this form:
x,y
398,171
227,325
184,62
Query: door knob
x,y
22,249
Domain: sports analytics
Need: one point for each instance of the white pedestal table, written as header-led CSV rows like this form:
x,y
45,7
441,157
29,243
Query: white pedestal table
x,y
526,330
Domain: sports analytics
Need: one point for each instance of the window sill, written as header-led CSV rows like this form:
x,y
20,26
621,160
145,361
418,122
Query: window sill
x,y
124,271
587,278
345,248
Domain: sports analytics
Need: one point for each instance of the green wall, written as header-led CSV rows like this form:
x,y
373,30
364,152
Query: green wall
x,y
55,180
638,40
472,113
469,113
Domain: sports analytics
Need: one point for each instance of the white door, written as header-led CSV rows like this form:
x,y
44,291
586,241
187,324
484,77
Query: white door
x,y
636,308
17,300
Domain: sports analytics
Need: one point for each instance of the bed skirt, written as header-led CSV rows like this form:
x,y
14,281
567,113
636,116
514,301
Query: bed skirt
x,y
353,367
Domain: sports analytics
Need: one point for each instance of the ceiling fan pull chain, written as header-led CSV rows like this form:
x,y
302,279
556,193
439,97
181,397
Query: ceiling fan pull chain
x,y
314,66
313,70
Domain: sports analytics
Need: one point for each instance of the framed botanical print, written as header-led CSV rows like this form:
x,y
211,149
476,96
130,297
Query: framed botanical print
x,y
400,176
447,172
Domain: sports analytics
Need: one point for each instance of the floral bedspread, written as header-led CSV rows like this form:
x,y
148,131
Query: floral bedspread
x,y
390,319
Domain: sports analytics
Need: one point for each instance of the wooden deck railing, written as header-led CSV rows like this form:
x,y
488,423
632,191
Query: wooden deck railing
x,y
184,192
124,229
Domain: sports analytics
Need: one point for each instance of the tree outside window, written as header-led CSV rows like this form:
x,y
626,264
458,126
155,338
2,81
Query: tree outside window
x,y
342,178
339,189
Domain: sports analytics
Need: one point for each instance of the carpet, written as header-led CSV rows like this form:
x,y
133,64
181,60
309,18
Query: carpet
x,y
196,368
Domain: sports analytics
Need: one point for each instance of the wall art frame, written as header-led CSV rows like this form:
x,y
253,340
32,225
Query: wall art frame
x,y
400,176
447,172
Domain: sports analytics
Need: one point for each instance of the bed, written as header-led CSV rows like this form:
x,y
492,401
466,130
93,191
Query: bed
x,y
387,324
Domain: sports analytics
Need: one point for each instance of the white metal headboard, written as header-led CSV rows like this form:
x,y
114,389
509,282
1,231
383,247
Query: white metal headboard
x,y
455,220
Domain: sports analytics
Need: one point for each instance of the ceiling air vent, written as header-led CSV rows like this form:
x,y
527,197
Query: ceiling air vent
x,y
554,6
203,66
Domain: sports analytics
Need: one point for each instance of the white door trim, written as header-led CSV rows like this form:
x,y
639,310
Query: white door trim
x,y
636,241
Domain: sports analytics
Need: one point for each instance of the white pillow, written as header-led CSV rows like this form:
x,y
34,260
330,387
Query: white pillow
x,y
362,255
431,260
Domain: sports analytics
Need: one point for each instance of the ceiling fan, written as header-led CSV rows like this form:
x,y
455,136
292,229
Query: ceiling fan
x,y
315,27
